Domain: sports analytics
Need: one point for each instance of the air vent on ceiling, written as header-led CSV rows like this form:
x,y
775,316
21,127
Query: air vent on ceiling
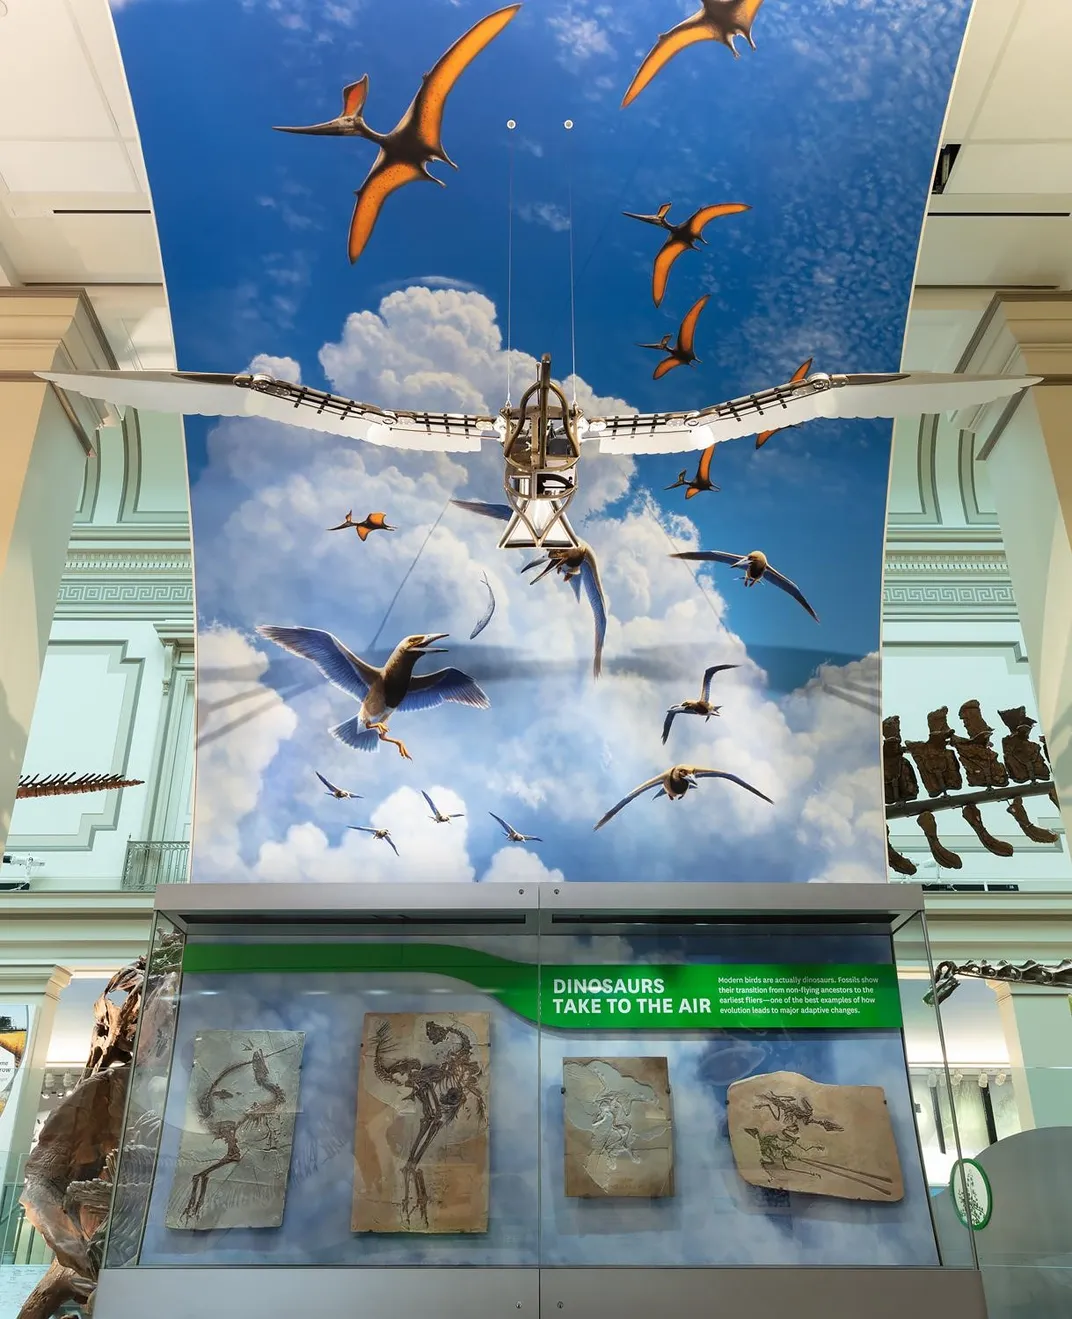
x,y
947,158
93,210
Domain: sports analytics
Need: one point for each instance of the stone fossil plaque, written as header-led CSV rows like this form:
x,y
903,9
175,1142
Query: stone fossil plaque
x,y
619,1127
421,1145
795,1134
234,1153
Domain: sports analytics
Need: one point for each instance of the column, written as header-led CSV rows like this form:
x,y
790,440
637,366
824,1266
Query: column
x,y
45,440
38,986
1025,446
1037,1024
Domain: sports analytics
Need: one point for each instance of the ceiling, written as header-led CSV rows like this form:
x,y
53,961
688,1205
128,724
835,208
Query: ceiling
x,y
75,208
1004,219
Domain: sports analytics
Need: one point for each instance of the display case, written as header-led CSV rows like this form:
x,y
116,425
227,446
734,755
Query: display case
x,y
490,1098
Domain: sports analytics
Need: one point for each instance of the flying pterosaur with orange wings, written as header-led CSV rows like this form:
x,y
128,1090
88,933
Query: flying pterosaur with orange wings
x,y
715,20
801,373
417,139
702,480
681,237
681,352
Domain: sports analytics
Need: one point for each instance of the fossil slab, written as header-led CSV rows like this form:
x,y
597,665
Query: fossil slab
x,y
795,1134
421,1145
234,1154
619,1127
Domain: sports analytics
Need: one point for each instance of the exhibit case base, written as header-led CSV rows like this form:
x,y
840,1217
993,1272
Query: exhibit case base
x,y
475,1100
891,1293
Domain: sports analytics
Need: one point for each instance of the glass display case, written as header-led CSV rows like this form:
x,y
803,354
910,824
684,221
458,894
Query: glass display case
x,y
592,1084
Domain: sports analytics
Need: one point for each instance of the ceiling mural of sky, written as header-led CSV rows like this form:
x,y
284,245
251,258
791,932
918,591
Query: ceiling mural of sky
x,y
817,149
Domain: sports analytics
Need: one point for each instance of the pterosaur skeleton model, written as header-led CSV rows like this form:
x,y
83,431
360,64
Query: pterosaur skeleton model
x,y
380,691
442,1089
675,782
702,706
542,437
417,139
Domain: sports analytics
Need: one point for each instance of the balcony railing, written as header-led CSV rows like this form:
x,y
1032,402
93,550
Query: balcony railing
x,y
149,864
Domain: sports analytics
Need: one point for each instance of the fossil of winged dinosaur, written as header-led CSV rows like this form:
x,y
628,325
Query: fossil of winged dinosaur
x,y
237,1134
442,1090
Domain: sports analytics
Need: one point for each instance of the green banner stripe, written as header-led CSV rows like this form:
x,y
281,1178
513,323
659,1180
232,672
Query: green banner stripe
x,y
599,997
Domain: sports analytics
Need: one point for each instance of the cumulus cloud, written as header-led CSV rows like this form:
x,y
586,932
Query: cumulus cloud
x,y
283,368
230,767
555,749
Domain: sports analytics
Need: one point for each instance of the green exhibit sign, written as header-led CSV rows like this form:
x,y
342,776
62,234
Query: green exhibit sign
x,y
700,995
687,996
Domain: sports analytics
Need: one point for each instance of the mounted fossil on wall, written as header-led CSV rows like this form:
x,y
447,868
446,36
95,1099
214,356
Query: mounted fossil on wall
x,y
62,785
947,975
945,760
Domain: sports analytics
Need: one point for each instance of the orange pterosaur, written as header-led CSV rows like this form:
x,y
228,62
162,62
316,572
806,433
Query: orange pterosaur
x,y
799,374
702,480
682,237
417,139
374,522
715,20
681,353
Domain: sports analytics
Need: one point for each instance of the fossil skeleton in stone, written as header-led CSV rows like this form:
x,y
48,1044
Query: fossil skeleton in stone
x,y
442,1090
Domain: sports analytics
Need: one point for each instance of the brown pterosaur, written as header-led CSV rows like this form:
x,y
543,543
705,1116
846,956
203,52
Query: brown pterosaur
x,y
715,20
799,374
680,237
417,139
681,353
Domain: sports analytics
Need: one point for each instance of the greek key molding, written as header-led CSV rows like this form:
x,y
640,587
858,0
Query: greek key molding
x,y
970,586
154,584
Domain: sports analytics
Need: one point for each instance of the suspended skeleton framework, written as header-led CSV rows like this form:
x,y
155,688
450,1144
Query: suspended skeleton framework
x,y
542,437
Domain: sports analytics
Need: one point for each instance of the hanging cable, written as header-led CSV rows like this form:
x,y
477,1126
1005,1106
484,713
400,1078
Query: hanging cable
x,y
511,124
568,125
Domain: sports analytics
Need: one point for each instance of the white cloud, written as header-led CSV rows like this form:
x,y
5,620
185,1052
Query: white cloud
x,y
230,767
555,750
580,38
549,214
283,368
427,851
517,865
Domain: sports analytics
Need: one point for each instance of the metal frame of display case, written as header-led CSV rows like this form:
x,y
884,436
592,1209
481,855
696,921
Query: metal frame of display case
x,y
279,1291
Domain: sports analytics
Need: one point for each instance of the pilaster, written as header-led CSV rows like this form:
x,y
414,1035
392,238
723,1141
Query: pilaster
x,y
46,439
1024,443
38,985
1037,1025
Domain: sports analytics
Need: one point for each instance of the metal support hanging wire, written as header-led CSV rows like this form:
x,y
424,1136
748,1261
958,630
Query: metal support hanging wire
x,y
568,126
511,124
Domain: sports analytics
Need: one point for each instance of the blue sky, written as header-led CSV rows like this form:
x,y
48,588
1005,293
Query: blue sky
x,y
828,131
